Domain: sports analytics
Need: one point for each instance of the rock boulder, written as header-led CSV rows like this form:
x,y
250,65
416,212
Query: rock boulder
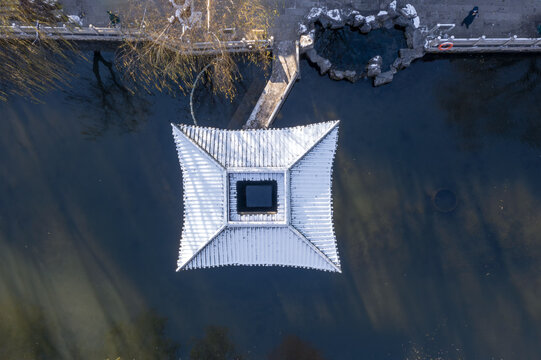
x,y
383,78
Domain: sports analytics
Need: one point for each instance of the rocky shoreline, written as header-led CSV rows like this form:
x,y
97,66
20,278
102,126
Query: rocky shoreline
x,y
405,18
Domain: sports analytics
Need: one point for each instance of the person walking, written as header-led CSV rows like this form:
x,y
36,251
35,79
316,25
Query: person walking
x,y
114,19
471,16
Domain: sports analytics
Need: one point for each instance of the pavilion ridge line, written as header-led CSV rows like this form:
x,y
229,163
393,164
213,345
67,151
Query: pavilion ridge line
x,y
257,197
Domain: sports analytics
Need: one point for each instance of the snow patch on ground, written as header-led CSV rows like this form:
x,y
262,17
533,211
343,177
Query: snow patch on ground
x,y
314,13
334,14
74,19
409,11
307,40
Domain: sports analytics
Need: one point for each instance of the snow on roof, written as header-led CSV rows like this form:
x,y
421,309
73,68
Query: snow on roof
x,y
299,233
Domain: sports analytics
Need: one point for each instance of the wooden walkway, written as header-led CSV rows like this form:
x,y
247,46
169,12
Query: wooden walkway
x,y
285,71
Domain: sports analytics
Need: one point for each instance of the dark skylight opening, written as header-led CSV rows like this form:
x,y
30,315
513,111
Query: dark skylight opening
x,y
256,197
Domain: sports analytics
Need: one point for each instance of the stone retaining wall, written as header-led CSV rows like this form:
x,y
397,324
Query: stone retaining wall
x,y
405,17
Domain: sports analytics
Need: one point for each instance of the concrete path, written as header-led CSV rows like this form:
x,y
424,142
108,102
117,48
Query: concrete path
x,y
497,18
95,10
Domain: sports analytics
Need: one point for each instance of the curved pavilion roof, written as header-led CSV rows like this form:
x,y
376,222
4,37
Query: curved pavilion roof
x,y
300,233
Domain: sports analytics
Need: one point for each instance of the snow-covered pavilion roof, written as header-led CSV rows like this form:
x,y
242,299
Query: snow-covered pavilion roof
x,y
298,160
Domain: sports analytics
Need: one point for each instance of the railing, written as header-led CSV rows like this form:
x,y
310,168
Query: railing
x,y
439,41
67,32
482,44
108,34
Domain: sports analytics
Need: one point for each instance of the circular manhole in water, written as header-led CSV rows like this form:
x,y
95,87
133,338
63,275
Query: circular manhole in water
x,y
444,200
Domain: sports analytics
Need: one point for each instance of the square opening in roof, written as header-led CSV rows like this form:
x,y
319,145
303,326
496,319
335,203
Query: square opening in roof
x,y
257,197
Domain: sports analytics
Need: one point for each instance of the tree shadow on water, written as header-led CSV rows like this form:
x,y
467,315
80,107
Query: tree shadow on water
x,y
24,333
108,104
28,332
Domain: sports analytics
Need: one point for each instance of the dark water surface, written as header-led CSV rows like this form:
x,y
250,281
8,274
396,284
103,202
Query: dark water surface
x,y
349,49
90,220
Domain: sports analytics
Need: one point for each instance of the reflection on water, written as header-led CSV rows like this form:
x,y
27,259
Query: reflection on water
x,y
105,104
89,229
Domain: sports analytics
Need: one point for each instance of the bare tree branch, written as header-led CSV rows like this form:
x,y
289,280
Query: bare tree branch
x,y
32,66
162,58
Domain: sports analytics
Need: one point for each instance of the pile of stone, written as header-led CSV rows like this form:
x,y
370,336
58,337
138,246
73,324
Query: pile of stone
x,y
404,17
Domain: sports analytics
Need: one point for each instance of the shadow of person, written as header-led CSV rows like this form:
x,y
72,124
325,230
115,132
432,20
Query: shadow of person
x,y
471,16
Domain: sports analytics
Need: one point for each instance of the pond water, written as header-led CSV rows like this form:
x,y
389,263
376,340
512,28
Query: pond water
x,y
349,49
91,215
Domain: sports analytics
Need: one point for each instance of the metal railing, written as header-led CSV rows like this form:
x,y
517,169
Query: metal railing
x,y
438,40
110,34
482,44
67,32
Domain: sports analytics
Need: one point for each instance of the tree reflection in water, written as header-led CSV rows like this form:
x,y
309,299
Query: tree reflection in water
x,y
119,108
